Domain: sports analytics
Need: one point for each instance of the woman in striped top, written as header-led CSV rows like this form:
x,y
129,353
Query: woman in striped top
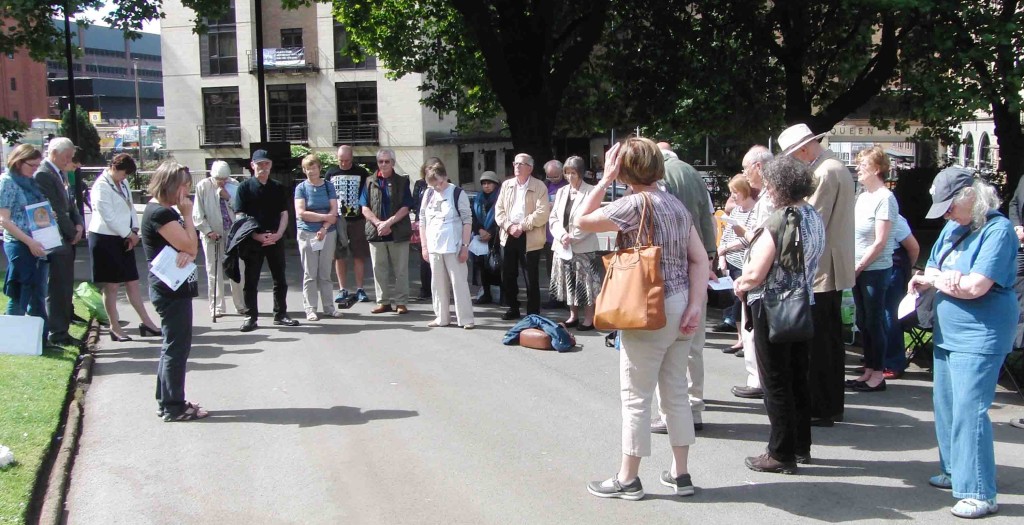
x,y
733,248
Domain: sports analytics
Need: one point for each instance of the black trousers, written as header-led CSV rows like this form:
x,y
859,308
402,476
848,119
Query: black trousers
x,y
514,255
60,291
783,371
176,325
827,369
425,276
253,254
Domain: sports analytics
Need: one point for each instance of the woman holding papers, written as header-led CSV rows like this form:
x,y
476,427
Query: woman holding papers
x,y
164,228
113,236
316,214
27,269
732,250
576,273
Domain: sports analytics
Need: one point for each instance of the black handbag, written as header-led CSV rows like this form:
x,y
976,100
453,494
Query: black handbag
x,y
788,311
494,255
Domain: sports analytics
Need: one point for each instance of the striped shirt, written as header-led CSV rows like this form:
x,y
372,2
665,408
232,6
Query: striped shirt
x,y
743,218
672,226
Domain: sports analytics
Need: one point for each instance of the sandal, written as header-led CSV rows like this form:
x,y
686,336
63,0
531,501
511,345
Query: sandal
x,y
192,412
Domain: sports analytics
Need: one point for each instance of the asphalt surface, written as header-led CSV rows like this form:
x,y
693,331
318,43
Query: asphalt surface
x,y
378,419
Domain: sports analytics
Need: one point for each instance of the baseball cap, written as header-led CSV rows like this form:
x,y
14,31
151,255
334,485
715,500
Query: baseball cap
x,y
946,185
260,155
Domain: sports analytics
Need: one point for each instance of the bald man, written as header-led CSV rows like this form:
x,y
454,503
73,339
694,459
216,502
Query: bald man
x,y
348,177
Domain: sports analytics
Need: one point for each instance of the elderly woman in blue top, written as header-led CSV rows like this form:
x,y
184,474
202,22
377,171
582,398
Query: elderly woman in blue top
x,y
972,267
316,213
27,269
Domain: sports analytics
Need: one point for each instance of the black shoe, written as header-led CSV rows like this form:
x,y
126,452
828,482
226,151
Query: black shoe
x,y
863,387
584,328
724,327
611,488
146,331
511,314
487,299
347,302
821,422
766,463
739,353
571,324
803,459
248,325
852,383
732,349
748,392
119,338
683,485
284,320
64,340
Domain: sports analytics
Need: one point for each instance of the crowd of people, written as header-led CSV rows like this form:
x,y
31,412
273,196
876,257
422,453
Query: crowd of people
x,y
798,233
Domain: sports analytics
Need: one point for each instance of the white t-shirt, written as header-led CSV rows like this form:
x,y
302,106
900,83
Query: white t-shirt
x,y
443,221
518,212
872,207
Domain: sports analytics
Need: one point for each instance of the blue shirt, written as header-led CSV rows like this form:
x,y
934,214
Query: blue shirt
x,y
318,200
988,324
14,199
385,202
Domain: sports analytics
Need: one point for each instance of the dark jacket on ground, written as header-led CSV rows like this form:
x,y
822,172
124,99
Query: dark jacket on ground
x,y
241,231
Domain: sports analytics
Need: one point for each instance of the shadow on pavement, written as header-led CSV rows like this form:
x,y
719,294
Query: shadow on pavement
x,y
307,417
106,368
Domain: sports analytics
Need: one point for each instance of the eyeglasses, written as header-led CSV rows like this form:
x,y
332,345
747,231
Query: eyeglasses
x,y
385,161
33,165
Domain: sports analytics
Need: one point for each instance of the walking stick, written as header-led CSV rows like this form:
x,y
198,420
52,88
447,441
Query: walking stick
x,y
216,281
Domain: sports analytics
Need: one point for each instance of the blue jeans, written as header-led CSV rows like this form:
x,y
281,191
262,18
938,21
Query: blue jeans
x,y
896,350
872,319
732,313
25,283
965,384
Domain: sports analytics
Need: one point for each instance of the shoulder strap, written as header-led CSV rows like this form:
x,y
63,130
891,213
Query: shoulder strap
x,y
455,196
954,245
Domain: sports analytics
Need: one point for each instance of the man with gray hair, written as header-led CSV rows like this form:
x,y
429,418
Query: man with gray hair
x,y
385,201
213,216
522,216
53,181
753,162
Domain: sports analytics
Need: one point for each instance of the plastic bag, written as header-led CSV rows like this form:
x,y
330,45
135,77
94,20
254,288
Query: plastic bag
x,y
848,309
93,301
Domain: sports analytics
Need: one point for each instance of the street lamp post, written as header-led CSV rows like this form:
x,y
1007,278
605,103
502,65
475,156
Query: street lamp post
x,y
138,111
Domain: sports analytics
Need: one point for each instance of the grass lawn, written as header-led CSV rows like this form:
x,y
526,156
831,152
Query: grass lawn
x,y
32,393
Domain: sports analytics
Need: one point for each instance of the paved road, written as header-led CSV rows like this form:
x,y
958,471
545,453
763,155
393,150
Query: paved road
x,y
377,419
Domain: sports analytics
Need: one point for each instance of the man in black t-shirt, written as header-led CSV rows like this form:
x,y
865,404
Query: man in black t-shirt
x,y
267,202
348,178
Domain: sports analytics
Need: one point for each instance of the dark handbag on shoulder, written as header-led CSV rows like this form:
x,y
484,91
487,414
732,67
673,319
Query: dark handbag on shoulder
x,y
788,311
494,255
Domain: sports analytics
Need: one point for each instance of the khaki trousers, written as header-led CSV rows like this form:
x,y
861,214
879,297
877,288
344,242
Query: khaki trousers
x,y
390,261
214,251
649,359
317,271
448,275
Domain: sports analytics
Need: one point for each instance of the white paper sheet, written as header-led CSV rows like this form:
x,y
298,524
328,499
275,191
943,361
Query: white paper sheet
x,y
43,225
728,220
318,245
165,266
563,252
724,283
907,305
477,246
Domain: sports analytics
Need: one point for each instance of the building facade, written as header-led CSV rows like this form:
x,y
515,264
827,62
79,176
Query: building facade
x,y
105,74
21,80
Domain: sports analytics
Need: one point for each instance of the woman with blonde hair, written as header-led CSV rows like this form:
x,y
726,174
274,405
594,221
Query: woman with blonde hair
x,y
27,268
163,227
316,214
650,358
732,250
446,225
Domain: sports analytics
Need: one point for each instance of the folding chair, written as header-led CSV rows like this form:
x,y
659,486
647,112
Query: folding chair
x,y
920,345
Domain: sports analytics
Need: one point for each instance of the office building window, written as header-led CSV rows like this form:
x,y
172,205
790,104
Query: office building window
x,y
286,115
291,38
221,116
342,58
218,48
491,160
357,112
14,84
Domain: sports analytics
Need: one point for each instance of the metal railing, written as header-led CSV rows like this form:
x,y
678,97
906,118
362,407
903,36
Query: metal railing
x,y
219,136
346,133
288,132
283,60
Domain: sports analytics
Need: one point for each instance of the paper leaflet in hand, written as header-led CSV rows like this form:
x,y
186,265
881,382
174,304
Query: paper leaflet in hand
x,y
165,266
42,224
907,305
728,220
724,283
477,246
317,244
563,252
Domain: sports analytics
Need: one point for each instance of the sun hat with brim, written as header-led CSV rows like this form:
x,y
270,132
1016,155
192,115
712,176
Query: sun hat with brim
x,y
795,136
489,176
945,187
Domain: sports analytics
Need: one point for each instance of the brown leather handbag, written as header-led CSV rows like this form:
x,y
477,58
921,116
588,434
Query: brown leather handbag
x,y
633,293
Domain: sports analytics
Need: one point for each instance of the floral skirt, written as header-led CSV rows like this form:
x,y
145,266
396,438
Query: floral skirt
x,y
578,280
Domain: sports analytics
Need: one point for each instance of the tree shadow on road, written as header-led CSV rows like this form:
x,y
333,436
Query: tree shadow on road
x,y
307,417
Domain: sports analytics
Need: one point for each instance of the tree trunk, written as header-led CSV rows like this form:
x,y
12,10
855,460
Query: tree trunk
x,y
531,134
1010,138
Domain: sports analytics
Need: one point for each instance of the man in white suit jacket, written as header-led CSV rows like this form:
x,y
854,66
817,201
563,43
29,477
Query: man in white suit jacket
x,y
213,216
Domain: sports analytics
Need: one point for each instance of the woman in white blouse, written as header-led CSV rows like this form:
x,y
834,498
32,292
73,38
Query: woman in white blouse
x,y
113,235
577,271
446,225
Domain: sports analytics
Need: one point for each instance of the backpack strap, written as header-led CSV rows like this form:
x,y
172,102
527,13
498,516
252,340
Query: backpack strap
x,y
455,197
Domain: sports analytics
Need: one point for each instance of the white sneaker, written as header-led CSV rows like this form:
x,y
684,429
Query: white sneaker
x,y
311,316
974,508
336,314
